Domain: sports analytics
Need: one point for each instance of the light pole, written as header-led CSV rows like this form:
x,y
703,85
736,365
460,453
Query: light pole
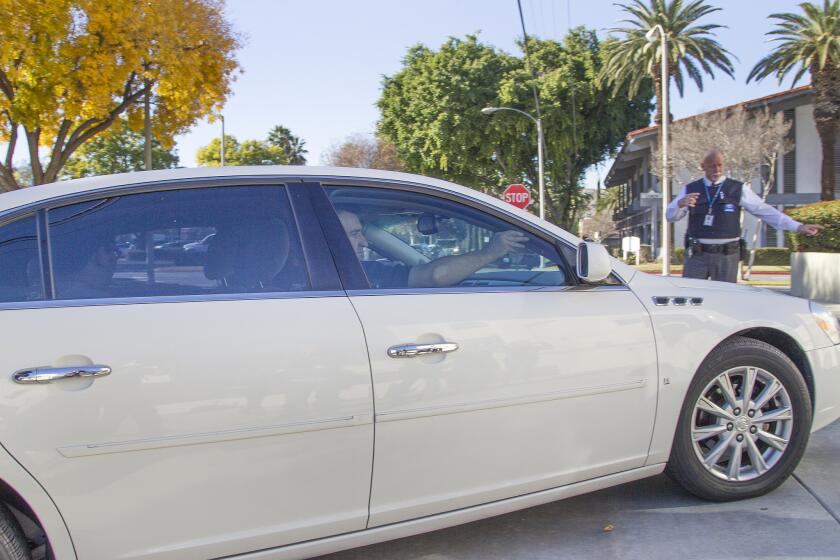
x,y
666,253
540,143
222,117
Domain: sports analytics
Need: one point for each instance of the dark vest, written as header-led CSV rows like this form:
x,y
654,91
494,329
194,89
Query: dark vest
x,y
726,209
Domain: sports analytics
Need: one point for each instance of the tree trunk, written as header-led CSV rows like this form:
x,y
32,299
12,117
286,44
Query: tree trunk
x,y
827,179
8,182
827,117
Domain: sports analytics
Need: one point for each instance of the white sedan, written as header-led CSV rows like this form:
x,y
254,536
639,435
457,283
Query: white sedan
x,y
314,382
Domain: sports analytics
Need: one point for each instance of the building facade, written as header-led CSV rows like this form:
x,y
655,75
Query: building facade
x,y
797,180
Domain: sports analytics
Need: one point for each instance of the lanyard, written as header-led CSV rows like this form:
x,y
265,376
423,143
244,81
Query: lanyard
x,y
711,199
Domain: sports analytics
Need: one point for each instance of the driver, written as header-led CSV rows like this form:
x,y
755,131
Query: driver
x,y
439,273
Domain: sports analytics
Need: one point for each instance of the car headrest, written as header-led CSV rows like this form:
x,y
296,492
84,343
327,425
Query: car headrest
x,y
248,256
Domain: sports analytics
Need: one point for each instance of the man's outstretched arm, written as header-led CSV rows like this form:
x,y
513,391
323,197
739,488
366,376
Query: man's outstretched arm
x,y
452,270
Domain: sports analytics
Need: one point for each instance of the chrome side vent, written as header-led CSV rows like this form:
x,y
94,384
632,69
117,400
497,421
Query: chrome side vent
x,y
679,301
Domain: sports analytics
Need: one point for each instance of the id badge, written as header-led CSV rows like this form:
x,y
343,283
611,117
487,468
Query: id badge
x,y
709,220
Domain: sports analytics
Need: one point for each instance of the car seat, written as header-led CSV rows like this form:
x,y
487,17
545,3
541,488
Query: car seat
x,y
247,257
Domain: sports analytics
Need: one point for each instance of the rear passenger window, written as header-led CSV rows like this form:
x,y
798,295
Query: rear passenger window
x,y
20,264
197,241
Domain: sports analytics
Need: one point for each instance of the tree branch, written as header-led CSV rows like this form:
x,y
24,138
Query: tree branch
x,y
7,179
13,135
6,86
56,153
85,132
32,138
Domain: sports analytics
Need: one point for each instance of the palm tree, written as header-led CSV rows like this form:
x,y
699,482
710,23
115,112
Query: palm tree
x,y
811,42
293,146
691,49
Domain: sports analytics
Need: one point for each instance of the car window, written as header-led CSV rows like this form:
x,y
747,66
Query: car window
x,y
179,242
20,263
411,240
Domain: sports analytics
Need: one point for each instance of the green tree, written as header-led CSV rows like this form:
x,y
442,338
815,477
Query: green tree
x,y
119,150
69,69
632,59
430,110
248,152
293,146
812,42
582,119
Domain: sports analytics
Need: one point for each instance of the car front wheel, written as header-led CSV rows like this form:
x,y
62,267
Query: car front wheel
x,y
744,424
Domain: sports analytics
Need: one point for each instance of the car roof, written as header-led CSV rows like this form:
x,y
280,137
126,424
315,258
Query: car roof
x,y
42,193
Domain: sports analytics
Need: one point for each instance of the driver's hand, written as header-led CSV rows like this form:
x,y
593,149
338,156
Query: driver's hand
x,y
507,242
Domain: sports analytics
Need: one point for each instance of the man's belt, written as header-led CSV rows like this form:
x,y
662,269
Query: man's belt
x,y
723,248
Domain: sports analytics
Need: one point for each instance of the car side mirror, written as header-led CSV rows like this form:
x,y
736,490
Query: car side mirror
x,y
593,262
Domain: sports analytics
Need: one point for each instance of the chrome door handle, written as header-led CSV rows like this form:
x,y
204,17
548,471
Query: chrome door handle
x,y
48,374
414,350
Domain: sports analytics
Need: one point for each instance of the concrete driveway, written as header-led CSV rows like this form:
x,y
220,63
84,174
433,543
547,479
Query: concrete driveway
x,y
651,519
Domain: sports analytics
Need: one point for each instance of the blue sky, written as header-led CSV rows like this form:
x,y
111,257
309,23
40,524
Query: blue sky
x,y
317,66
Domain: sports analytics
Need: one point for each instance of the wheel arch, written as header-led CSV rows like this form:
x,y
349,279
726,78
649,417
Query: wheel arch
x,y
10,497
20,491
787,345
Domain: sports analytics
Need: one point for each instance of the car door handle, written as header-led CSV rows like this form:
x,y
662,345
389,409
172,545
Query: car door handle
x,y
414,350
48,374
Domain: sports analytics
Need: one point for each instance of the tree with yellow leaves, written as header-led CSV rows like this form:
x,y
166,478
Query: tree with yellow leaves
x,y
70,68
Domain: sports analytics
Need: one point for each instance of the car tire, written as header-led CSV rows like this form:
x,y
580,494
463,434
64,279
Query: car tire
x,y
726,448
13,544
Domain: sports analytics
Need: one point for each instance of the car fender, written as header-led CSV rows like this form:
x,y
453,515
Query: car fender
x,y
686,333
50,519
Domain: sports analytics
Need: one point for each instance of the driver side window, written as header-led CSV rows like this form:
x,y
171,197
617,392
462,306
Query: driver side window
x,y
410,240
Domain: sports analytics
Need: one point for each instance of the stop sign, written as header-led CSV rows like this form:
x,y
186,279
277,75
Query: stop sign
x,y
518,195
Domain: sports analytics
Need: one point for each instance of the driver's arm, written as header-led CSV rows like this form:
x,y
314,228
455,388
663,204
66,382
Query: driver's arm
x,y
452,270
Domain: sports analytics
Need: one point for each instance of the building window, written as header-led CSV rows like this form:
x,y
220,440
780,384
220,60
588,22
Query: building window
x,y
789,159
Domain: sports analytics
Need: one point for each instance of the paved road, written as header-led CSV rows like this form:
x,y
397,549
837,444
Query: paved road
x,y
652,519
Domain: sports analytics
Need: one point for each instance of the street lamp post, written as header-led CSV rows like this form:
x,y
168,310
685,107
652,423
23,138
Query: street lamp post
x,y
666,198
540,144
222,117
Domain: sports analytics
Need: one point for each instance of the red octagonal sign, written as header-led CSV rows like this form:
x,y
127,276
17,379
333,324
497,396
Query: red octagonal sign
x,y
518,195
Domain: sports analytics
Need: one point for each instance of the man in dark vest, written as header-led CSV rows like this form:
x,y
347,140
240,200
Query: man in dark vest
x,y
713,205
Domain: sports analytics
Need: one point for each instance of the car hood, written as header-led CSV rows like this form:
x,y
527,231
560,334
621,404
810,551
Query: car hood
x,y
695,284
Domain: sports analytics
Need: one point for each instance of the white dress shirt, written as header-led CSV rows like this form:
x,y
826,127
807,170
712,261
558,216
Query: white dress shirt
x,y
749,202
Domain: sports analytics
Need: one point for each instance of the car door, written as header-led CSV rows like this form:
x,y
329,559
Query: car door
x,y
513,380
228,407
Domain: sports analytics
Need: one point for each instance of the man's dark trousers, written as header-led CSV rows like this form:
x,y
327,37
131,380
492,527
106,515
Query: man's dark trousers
x,y
712,266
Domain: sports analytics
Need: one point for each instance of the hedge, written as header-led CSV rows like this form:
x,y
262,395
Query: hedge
x,y
775,256
826,214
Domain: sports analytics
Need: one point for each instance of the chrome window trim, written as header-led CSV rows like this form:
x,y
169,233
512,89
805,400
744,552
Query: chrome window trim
x,y
484,290
197,298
